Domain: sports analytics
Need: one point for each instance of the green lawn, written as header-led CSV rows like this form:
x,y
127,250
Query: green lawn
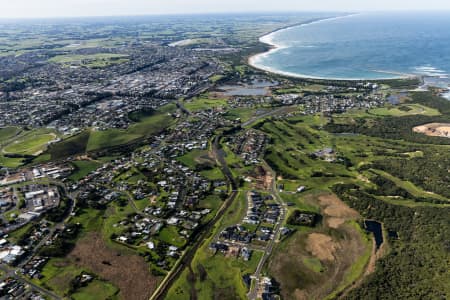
x,y
409,186
203,103
213,174
10,162
30,144
170,235
405,110
83,168
193,158
244,114
7,133
57,275
96,290
97,60
313,264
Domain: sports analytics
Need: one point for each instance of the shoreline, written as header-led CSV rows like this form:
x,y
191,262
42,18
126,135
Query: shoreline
x,y
268,40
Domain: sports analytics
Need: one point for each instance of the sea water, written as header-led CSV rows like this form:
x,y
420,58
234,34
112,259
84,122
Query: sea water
x,y
362,46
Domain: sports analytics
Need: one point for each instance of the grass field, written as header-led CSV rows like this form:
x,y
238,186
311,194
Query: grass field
x,y
89,140
57,275
204,102
405,110
98,60
409,186
30,144
170,235
96,290
93,248
17,142
7,133
71,146
196,157
146,126
83,168
244,114
10,162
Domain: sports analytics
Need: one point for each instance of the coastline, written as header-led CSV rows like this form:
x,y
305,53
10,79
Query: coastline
x,y
268,40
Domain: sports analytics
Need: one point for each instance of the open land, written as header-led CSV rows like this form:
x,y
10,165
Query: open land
x,y
434,129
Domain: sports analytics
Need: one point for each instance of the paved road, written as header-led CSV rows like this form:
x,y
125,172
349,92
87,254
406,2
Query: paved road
x,y
252,294
188,255
267,114
13,272
10,272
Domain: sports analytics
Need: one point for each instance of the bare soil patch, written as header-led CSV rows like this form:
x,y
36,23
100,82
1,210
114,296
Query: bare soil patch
x,y
434,129
337,244
129,273
321,246
336,212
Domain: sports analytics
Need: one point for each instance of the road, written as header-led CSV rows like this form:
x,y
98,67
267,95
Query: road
x,y
254,119
252,294
11,272
188,255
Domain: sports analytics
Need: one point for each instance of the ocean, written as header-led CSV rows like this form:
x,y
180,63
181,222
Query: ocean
x,y
363,46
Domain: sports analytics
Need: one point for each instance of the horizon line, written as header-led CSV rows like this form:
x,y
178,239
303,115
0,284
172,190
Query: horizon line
x,y
174,14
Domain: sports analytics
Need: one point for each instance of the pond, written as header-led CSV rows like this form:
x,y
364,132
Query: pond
x,y
377,230
257,87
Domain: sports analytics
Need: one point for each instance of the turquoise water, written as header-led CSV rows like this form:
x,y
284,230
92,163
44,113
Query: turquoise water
x,y
363,46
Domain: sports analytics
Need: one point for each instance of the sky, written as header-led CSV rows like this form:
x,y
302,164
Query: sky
x,y
74,8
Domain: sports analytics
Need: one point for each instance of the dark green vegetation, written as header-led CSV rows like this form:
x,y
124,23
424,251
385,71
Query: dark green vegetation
x,y
399,128
417,267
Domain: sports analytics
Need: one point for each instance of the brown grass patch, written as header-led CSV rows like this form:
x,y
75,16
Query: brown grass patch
x,y
321,246
130,273
337,244
336,211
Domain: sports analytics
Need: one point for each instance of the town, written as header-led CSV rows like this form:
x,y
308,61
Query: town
x,y
163,149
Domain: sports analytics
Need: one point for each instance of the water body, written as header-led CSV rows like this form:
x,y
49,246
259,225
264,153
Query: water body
x,y
255,88
362,46
376,228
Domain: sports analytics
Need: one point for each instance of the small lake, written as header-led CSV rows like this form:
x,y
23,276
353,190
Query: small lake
x,y
257,87
239,90
377,230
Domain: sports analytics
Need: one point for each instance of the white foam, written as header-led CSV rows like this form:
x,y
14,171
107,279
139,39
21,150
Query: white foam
x,y
431,71
269,39
446,95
